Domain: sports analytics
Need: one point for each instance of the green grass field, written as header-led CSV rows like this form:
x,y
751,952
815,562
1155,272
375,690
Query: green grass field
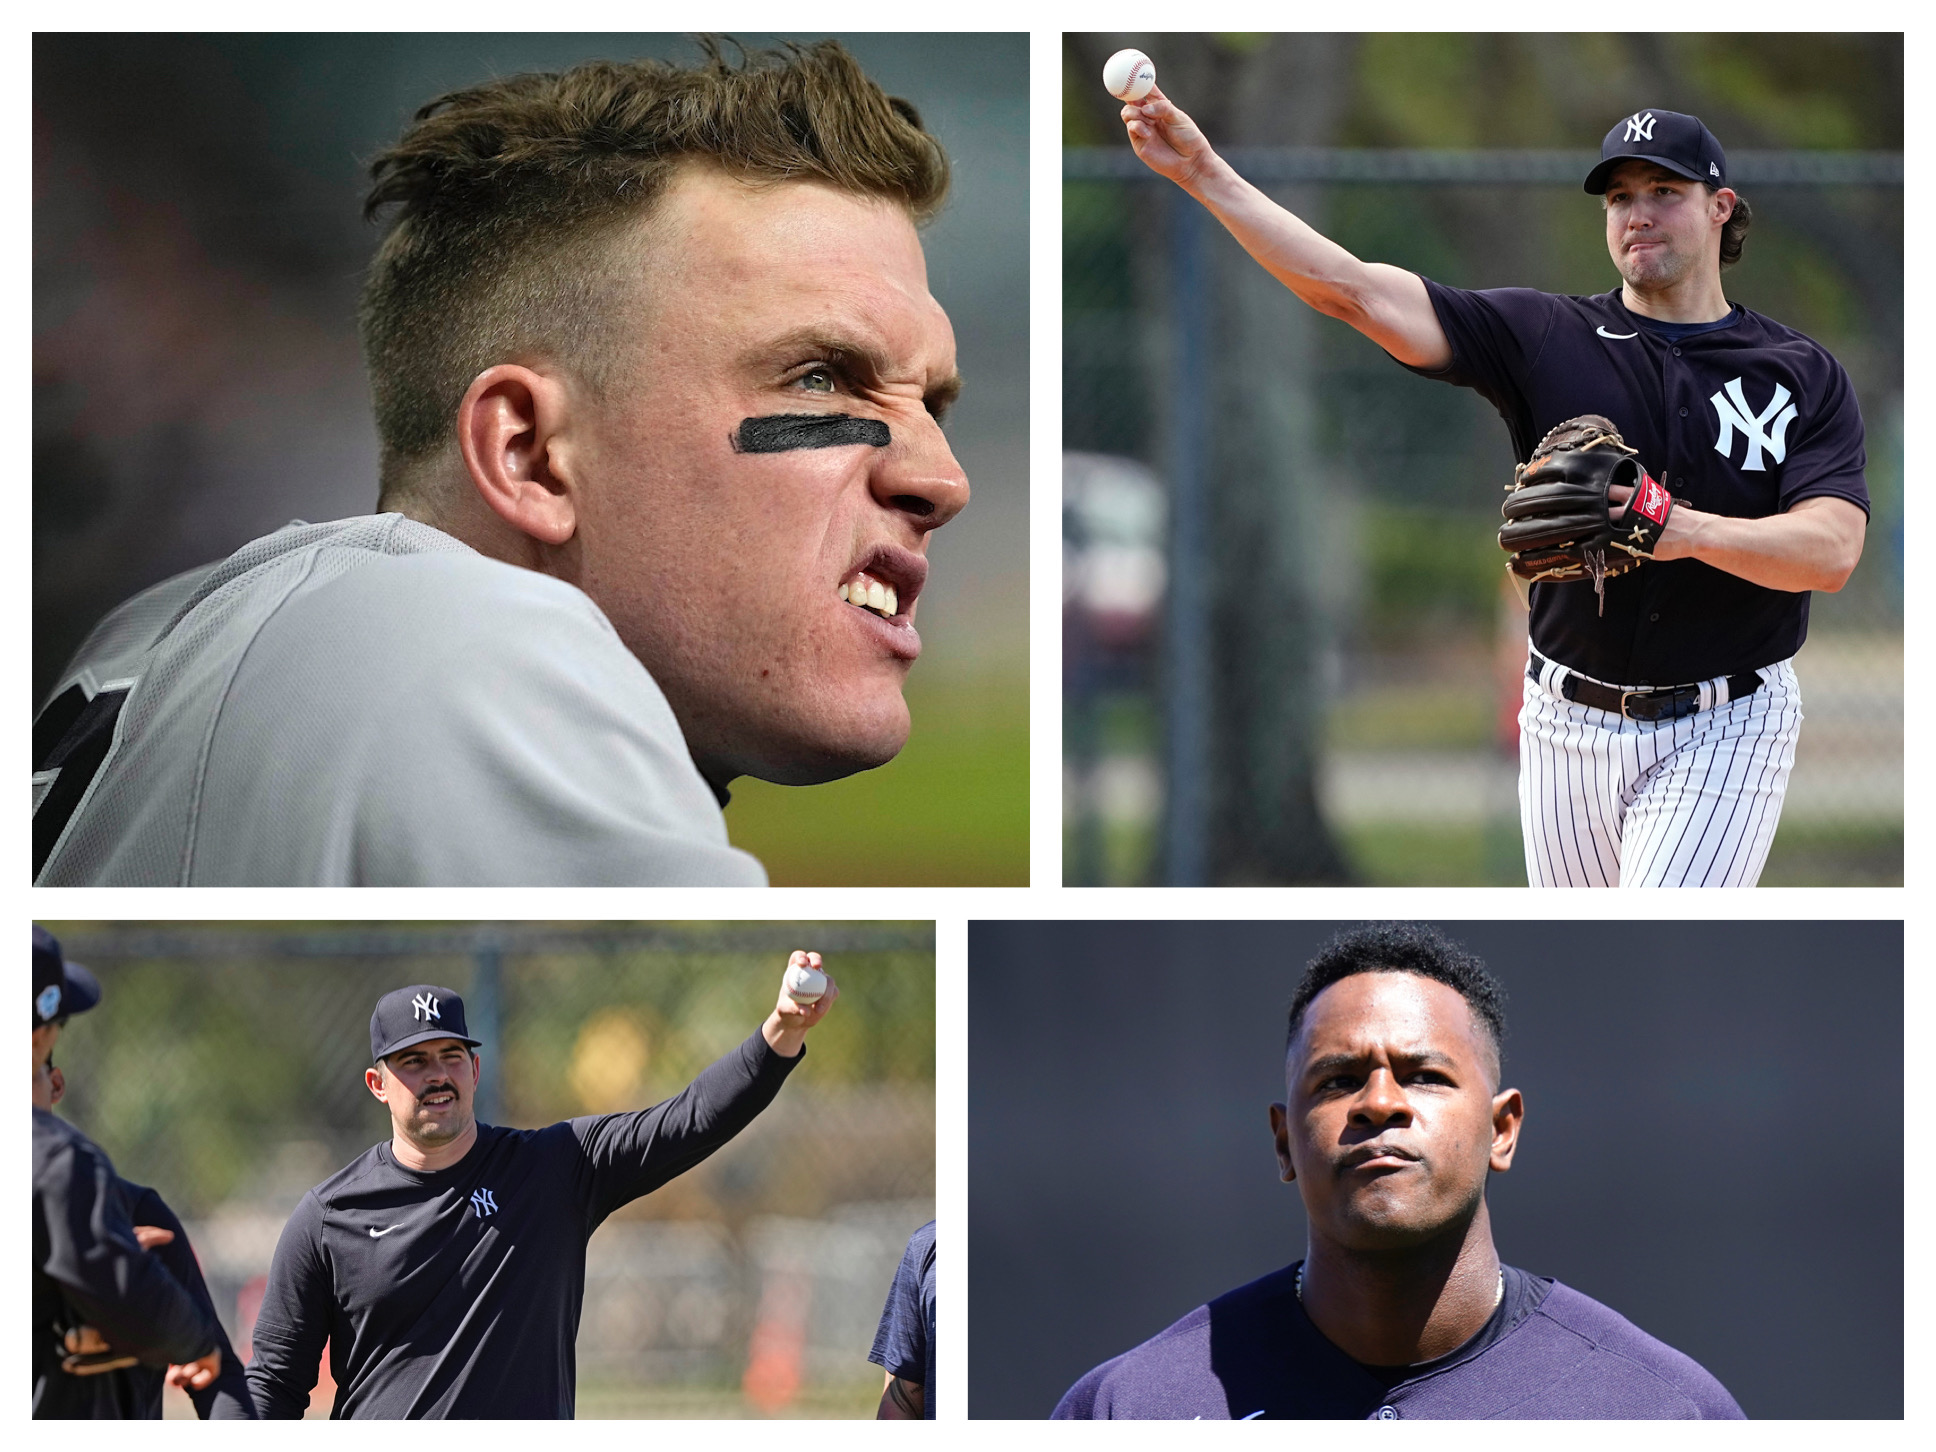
x,y
950,810
702,1403
1489,855
618,1402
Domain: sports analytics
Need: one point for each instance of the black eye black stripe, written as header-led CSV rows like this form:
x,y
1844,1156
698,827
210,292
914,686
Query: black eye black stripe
x,y
777,433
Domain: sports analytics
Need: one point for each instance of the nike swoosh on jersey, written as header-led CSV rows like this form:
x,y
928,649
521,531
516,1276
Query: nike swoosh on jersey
x,y
1605,334
375,1233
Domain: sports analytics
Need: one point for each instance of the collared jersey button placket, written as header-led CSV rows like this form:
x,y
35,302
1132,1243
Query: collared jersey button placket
x,y
1388,1414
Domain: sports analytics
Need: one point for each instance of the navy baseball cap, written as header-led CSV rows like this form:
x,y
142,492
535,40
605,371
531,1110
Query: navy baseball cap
x,y
60,987
415,1015
1666,138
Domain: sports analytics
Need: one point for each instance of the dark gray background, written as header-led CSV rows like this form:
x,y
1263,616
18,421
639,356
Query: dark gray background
x,y
199,243
1713,1142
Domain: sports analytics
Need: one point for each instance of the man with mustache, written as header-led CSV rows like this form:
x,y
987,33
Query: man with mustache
x,y
659,386
1658,721
1394,1116
445,1269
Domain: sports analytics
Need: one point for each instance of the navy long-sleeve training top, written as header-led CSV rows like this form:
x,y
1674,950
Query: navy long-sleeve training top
x,y
456,1293
89,1269
1548,1352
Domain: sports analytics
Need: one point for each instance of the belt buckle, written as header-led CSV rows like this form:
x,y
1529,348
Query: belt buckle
x,y
1668,702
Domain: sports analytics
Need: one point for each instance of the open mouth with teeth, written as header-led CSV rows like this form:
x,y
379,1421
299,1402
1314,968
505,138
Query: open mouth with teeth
x,y
871,594
439,1099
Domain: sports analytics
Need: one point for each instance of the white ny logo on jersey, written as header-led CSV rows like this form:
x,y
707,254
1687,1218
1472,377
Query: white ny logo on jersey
x,y
424,1006
1731,406
1639,127
483,1203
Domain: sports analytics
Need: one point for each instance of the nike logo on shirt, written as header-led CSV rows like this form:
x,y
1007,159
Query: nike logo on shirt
x,y
1605,334
375,1233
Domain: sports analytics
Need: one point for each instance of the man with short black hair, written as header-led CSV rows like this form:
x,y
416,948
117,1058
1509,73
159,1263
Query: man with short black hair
x,y
1394,1117
107,1315
446,1268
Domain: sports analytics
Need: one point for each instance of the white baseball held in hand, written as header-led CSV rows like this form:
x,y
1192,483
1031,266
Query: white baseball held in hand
x,y
1128,75
805,983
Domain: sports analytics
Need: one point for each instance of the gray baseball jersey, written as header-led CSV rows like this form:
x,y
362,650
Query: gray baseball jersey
x,y
367,702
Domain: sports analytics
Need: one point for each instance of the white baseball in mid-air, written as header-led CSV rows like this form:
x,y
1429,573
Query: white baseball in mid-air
x,y
805,983
1128,75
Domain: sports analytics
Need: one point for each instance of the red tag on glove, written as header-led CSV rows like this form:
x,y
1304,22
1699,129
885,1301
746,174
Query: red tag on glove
x,y
1651,500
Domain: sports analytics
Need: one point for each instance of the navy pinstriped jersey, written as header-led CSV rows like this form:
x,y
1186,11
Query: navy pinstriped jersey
x,y
1743,420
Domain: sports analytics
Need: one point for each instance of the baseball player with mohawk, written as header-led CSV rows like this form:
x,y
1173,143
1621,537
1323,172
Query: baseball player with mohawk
x,y
446,1268
1690,471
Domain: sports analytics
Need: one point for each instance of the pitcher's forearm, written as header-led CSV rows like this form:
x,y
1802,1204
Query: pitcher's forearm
x,y
1389,305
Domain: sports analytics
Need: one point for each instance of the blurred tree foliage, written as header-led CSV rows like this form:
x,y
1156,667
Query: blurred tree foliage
x,y
205,1075
1838,91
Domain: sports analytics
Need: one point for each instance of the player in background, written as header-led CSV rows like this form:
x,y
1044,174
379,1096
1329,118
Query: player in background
x,y
1656,738
136,1389
109,1320
904,1342
445,1268
659,387
1395,1116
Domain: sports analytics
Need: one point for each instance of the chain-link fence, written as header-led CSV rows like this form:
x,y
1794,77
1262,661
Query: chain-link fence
x,y
1291,652
225,1068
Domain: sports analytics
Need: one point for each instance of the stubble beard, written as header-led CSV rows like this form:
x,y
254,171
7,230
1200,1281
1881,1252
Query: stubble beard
x,y
430,1131
1654,270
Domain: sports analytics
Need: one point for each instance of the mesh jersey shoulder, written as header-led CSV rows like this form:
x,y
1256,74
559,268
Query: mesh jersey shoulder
x,y
1614,1337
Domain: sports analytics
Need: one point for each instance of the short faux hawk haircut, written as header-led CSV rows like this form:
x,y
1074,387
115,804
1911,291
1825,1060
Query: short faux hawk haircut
x,y
508,196
1404,948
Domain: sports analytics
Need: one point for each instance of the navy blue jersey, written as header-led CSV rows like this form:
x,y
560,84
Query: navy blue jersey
x,y
226,1399
456,1292
904,1342
1547,1353
90,1270
1742,420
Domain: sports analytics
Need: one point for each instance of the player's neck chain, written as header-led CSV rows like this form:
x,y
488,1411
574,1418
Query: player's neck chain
x,y
1498,1291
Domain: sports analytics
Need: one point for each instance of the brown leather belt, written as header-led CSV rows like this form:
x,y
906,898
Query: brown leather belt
x,y
1651,703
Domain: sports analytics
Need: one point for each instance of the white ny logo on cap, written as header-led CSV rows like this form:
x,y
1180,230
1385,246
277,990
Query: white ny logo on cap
x,y
424,1006
1639,127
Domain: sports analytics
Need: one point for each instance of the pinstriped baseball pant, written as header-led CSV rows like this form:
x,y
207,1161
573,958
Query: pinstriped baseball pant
x,y
1608,802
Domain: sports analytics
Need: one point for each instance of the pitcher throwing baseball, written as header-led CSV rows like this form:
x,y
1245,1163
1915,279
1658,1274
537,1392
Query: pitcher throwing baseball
x,y
1660,704
445,1268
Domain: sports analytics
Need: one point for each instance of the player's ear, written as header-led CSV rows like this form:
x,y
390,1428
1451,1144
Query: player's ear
x,y
511,429
1721,204
373,1077
1280,1118
1508,1113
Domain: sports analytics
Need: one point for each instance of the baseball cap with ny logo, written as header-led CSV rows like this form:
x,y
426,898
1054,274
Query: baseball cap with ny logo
x,y
415,1015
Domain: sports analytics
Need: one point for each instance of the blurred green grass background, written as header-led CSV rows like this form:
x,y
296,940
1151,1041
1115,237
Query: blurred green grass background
x,y
950,810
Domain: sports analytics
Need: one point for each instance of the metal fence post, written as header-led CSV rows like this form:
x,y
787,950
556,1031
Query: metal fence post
x,y
1187,627
487,987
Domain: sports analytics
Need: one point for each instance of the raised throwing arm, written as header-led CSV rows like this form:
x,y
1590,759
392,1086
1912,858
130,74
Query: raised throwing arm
x,y
1387,304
